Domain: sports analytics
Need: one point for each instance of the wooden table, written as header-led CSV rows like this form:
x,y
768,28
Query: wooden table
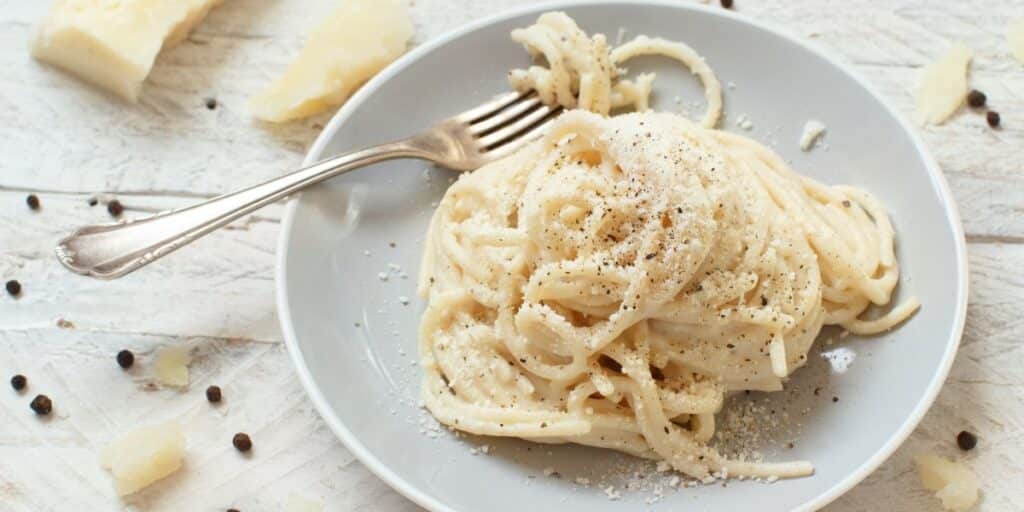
x,y
68,143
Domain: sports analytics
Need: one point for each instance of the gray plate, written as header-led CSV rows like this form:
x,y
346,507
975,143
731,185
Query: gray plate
x,y
354,342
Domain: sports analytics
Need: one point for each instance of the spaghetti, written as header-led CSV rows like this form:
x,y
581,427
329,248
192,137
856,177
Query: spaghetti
x,y
611,283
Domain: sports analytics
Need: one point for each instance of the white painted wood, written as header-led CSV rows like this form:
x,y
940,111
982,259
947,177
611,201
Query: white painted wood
x,y
67,143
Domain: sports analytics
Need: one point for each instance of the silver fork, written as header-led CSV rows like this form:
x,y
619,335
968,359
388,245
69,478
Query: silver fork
x,y
463,142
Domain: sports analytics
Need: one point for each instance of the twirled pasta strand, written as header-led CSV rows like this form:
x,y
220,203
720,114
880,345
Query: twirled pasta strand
x,y
610,284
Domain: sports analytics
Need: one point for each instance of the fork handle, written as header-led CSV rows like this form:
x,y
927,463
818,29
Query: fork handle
x,y
108,251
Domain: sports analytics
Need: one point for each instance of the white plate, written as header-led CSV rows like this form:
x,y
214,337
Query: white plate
x,y
354,343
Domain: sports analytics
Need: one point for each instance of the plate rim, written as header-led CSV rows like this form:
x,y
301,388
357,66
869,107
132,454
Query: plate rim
x,y
423,499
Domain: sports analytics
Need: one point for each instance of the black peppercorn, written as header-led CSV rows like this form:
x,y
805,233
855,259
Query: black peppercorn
x,y
125,359
13,287
18,382
976,98
835,399
232,510
993,118
211,103
966,440
115,208
42,405
213,394
32,201
93,201
242,442
727,4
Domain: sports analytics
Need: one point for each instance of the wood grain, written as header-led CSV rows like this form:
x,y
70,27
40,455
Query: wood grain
x,y
68,143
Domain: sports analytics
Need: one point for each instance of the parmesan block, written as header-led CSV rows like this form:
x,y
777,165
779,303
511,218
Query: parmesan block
x,y
298,503
141,457
171,366
355,42
1015,38
951,482
943,85
113,43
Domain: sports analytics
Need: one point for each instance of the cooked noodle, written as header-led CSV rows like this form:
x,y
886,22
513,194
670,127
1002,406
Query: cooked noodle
x,y
610,284
583,74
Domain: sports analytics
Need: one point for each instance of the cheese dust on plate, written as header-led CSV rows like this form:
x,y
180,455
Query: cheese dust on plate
x,y
813,130
114,44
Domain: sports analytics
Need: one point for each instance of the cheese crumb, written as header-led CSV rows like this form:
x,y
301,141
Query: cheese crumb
x,y
1015,38
611,493
298,503
952,482
171,366
138,458
943,85
744,122
813,129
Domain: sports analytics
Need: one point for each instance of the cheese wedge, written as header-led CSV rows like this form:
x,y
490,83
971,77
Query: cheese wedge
x,y
943,85
113,43
141,457
359,39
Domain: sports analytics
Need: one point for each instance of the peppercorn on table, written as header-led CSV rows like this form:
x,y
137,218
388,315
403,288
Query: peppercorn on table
x,y
79,353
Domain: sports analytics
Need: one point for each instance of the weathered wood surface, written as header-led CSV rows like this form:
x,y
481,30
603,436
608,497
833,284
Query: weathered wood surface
x,y
67,143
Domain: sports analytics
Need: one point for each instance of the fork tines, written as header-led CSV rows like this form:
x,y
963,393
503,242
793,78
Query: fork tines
x,y
510,120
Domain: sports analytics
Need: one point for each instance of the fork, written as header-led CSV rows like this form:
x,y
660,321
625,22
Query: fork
x,y
463,142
